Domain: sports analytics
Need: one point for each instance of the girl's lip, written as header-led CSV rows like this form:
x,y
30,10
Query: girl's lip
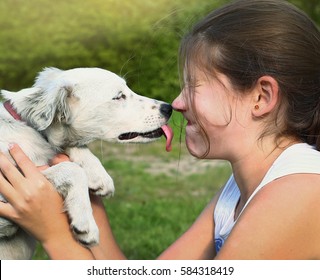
x,y
189,122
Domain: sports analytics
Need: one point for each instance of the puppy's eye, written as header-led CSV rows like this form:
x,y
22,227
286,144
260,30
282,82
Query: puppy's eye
x,y
119,96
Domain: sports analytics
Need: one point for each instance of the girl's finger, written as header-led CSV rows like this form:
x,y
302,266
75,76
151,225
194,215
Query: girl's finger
x,y
43,167
59,158
11,172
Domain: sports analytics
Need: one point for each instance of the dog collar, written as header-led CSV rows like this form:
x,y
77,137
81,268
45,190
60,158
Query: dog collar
x,y
11,110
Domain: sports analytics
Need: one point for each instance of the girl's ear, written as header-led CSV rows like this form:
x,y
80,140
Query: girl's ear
x,y
266,96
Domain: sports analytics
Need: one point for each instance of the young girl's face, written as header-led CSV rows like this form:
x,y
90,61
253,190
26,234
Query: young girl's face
x,y
219,111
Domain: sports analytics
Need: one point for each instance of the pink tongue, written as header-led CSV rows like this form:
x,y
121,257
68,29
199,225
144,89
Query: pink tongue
x,y
169,135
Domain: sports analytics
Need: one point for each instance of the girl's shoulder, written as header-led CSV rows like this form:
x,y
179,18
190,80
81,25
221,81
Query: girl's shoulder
x,y
298,158
280,222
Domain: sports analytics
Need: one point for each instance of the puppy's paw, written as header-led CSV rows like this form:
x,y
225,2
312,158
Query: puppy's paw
x,y
85,230
87,235
101,183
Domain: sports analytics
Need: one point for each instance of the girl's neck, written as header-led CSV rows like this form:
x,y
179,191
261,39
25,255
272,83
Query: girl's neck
x,y
250,169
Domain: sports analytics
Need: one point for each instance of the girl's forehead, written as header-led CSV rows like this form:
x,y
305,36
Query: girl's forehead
x,y
197,76
192,75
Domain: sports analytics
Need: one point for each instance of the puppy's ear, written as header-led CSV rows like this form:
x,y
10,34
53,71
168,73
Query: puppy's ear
x,y
47,76
50,102
26,103
50,105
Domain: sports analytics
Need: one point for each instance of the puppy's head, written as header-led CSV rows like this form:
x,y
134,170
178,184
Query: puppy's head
x,y
76,106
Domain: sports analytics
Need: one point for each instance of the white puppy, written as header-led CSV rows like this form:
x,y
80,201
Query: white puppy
x,y
63,112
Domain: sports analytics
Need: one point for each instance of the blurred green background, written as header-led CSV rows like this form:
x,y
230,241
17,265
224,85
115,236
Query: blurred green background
x,y
158,194
137,39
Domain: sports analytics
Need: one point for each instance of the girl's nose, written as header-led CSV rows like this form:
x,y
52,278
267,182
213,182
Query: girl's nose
x,y
179,103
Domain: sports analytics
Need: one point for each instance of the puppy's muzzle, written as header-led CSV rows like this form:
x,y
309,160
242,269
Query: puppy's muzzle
x,y
166,110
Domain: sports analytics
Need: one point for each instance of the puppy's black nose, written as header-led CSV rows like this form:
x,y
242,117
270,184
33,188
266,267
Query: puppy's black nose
x,y
166,110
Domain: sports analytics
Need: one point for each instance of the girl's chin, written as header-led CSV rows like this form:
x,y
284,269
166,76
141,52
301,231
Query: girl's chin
x,y
196,150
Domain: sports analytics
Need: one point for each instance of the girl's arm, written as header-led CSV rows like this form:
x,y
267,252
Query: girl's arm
x,y
108,247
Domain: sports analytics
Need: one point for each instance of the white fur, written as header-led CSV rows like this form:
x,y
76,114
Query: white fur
x,y
63,112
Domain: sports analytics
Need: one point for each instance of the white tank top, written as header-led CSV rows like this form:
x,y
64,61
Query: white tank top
x,y
298,158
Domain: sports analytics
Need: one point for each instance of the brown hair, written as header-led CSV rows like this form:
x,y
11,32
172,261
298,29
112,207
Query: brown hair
x,y
247,39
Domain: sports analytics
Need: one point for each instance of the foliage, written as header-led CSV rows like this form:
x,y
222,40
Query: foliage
x,y
311,8
135,38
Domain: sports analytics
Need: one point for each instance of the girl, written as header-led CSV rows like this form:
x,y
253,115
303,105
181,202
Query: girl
x,y
251,95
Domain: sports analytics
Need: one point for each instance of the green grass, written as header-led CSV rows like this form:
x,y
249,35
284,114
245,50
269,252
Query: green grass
x,y
149,212
153,206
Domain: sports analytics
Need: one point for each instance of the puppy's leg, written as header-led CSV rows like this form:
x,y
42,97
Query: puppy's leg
x,y
72,183
100,182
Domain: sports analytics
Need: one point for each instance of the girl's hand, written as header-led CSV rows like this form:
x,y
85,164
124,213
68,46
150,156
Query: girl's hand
x,y
33,203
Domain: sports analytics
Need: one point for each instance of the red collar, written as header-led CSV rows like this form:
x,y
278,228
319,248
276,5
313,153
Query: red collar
x,y
11,110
